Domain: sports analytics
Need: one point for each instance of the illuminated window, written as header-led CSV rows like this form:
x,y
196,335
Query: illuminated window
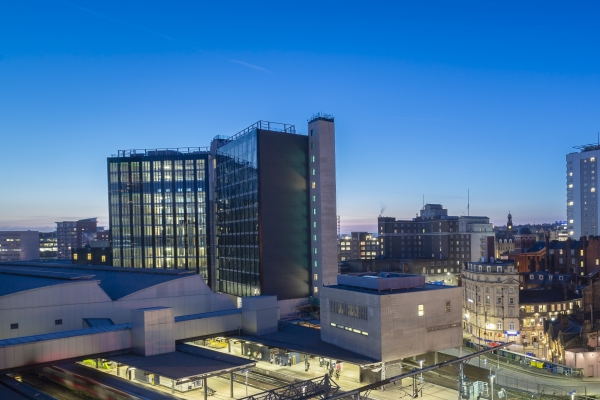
x,y
313,158
314,185
421,310
593,190
75,257
316,290
316,278
593,159
314,211
103,258
313,172
89,256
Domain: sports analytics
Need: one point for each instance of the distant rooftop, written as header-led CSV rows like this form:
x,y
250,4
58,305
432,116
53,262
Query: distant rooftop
x,y
161,152
553,295
588,147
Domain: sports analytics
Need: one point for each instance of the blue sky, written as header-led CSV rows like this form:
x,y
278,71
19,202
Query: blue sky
x,y
431,98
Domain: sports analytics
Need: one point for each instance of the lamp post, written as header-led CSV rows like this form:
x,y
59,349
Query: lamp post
x,y
421,367
492,376
572,394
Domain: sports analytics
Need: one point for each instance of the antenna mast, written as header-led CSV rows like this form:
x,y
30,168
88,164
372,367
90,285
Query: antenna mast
x,y
468,202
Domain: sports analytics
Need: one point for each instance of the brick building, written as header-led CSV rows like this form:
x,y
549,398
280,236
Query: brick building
x,y
580,257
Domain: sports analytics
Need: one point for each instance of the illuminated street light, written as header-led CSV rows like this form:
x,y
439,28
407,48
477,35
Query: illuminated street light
x,y
572,394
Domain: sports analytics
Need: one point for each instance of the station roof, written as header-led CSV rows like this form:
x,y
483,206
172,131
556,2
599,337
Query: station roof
x,y
306,340
117,282
63,335
188,362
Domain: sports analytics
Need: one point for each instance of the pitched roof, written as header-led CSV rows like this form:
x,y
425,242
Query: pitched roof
x,y
552,295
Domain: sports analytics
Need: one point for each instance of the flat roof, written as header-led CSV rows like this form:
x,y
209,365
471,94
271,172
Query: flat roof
x,y
117,282
188,362
306,340
426,287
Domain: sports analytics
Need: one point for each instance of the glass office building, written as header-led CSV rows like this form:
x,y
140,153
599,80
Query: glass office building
x,y
158,209
262,223
236,219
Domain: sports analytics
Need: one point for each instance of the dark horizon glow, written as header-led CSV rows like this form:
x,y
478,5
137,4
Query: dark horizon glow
x,y
430,98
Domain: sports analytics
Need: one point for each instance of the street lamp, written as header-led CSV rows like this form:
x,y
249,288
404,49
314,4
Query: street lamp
x,y
421,367
572,394
492,376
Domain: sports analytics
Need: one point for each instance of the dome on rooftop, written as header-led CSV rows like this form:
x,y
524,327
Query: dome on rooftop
x,y
524,231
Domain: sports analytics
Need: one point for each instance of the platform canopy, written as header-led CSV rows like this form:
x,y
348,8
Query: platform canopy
x,y
187,363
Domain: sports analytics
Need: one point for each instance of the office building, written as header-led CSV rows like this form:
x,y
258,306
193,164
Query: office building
x,y
158,209
358,246
73,235
254,214
491,302
435,234
275,210
389,316
48,246
582,191
19,245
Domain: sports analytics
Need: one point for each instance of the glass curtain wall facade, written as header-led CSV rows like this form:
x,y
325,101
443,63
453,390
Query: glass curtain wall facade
x,y
236,221
157,208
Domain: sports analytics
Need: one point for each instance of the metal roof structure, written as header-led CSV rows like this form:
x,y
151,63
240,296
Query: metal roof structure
x,y
188,362
306,340
63,335
208,315
117,282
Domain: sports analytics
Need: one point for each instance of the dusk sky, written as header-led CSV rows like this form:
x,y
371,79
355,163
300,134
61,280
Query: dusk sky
x,y
430,98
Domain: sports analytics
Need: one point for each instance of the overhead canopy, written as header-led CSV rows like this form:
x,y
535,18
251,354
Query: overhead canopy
x,y
306,340
188,362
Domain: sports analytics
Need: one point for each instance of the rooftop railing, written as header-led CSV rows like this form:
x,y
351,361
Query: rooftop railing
x,y
161,152
266,125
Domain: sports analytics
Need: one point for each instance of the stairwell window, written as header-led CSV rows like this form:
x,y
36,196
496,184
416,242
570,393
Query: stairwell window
x,y
421,310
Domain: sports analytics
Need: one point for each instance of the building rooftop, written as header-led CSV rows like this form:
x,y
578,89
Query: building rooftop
x,y
161,152
587,147
544,278
188,362
552,295
536,247
117,282
382,281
